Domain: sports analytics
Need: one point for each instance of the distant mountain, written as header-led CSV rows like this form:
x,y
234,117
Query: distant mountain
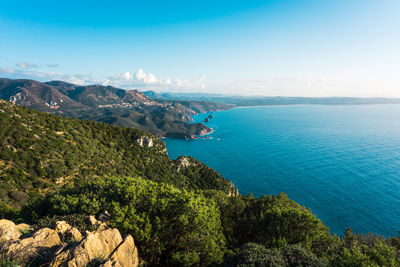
x,y
232,100
127,108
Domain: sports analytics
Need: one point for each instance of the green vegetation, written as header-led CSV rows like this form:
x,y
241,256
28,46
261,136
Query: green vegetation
x,y
39,151
169,225
179,212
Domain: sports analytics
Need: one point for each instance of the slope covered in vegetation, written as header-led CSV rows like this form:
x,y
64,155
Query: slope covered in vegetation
x,y
40,150
179,212
127,108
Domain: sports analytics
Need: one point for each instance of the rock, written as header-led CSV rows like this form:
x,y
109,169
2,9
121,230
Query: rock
x,y
104,216
62,227
92,246
205,131
126,254
210,116
145,141
41,246
233,191
92,220
206,120
8,231
23,227
183,162
45,246
73,235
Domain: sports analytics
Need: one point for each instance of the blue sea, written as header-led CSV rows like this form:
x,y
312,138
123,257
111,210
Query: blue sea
x,y
342,162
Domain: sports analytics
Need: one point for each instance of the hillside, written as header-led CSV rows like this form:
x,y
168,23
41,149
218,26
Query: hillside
x,y
40,150
56,170
127,108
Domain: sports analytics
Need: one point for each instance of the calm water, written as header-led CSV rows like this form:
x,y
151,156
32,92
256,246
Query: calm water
x,y
342,162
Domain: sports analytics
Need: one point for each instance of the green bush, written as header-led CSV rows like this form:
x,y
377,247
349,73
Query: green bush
x,y
169,225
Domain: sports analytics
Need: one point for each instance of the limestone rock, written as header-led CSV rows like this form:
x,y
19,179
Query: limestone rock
x,y
183,162
42,243
62,227
233,191
92,246
65,246
144,141
23,227
92,220
126,254
74,234
8,231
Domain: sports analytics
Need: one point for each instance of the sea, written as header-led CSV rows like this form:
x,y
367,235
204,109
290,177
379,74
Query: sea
x,y
341,162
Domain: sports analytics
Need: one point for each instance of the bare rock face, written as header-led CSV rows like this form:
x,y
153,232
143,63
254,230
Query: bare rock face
x,y
119,256
92,220
233,191
41,245
65,246
145,141
93,246
8,231
23,227
183,162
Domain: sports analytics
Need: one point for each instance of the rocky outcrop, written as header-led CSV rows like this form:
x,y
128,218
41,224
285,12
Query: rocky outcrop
x,y
233,191
8,231
66,246
38,246
183,162
145,141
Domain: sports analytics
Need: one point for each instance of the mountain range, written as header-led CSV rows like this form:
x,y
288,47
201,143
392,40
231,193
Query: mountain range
x,y
236,100
127,108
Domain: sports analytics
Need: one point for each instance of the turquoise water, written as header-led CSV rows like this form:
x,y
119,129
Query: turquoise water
x,y
342,162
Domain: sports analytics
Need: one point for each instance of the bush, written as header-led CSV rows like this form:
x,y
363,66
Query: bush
x,y
170,226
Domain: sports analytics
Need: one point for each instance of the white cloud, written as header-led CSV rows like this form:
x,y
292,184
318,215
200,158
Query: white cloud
x,y
26,65
127,80
149,81
145,77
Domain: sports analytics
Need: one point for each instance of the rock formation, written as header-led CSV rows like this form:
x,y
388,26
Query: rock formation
x,y
144,141
66,246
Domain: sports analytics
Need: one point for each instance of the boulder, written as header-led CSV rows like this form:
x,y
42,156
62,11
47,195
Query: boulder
x,y
65,246
8,231
62,227
126,254
92,246
41,246
145,141
92,220
73,235
23,227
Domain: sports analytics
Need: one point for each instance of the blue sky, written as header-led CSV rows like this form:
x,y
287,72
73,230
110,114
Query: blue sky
x,y
296,48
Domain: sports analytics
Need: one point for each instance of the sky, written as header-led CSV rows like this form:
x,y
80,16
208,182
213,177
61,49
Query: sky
x,y
253,47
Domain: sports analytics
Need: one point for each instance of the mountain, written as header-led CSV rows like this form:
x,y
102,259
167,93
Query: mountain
x,y
127,108
40,151
232,100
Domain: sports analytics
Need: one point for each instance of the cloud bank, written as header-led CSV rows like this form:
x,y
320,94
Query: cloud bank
x,y
128,80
